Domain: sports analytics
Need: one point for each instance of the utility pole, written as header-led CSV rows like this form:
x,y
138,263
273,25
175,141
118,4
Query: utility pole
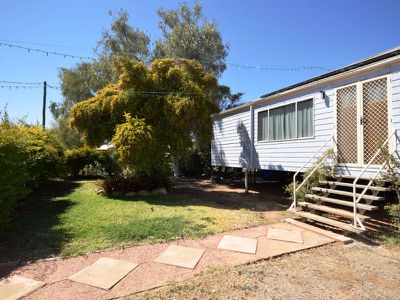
x,y
44,104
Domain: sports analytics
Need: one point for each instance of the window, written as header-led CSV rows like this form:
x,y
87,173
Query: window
x,y
291,121
263,126
305,119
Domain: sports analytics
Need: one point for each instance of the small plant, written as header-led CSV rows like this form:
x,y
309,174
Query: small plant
x,y
93,170
322,173
392,176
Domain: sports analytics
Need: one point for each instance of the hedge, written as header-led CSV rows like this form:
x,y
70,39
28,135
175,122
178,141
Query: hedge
x,y
77,159
28,155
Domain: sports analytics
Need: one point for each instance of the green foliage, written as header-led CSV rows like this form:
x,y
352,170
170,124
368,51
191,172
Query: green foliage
x,y
93,170
146,126
392,175
322,173
394,212
196,162
67,135
76,160
123,39
188,34
28,156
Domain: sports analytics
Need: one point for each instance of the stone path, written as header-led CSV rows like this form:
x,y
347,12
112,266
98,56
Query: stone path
x,y
116,273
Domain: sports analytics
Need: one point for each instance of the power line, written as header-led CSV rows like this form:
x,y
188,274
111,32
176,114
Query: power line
x,y
65,55
41,44
279,68
19,87
234,65
20,82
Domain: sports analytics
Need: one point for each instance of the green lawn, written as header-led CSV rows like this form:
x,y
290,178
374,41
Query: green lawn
x,y
79,221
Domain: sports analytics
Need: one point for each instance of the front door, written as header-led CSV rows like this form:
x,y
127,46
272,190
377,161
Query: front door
x,y
362,121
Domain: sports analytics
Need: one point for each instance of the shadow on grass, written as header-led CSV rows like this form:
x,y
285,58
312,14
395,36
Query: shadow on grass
x,y
263,197
155,230
34,233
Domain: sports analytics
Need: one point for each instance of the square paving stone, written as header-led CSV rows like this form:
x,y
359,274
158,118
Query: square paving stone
x,y
179,256
293,236
238,244
104,273
16,286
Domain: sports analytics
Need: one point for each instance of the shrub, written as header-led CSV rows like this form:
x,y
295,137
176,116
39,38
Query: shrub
x,y
28,155
77,159
195,163
321,173
93,170
45,158
392,176
119,183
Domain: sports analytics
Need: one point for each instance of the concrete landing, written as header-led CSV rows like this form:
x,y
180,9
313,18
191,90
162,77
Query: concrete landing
x,y
293,236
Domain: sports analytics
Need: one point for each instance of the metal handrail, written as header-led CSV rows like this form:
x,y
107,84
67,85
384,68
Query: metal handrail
x,y
308,161
356,200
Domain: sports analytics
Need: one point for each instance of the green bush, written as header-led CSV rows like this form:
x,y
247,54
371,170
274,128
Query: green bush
x,y
28,155
196,163
78,159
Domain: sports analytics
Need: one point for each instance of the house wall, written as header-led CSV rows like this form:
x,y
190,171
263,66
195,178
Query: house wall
x,y
232,140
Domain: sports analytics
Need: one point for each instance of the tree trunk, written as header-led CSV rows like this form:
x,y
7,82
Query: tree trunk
x,y
177,169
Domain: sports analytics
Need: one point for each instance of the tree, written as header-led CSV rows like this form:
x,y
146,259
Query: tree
x,y
150,111
188,34
85,79
123,39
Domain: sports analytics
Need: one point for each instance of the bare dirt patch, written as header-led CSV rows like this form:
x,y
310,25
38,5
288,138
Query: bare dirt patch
x,y
330,272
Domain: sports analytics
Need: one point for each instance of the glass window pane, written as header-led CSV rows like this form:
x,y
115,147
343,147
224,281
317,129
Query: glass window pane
x,y
263,126
276,123
305,119
290,118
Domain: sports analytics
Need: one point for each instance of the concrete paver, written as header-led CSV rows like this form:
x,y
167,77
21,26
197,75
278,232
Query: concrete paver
x,y
238,244
15,287
104,273
179,256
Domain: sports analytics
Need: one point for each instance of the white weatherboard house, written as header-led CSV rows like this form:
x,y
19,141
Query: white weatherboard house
x,y
354,110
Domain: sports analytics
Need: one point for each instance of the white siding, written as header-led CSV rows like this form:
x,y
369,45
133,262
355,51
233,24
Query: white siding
x,y
230,148
396,105
231,140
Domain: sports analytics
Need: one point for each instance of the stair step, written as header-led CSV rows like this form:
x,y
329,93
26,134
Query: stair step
x,y
359,186
341,202
340,176
344,193
338,224
332,210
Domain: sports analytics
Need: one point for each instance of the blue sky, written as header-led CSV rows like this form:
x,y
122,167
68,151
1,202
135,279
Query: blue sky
x,y
276,33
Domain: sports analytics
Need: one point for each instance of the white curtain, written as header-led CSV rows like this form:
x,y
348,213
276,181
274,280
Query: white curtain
x,y
305,120
276,123
290,119
263,126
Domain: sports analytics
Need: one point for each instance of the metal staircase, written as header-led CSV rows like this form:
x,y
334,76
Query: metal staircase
x,y
341,201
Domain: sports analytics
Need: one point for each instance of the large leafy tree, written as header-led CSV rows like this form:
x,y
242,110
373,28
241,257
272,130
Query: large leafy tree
x,y
85,79
150,111
188,34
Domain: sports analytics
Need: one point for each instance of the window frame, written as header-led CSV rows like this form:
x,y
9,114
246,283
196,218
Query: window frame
x,y
296,111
